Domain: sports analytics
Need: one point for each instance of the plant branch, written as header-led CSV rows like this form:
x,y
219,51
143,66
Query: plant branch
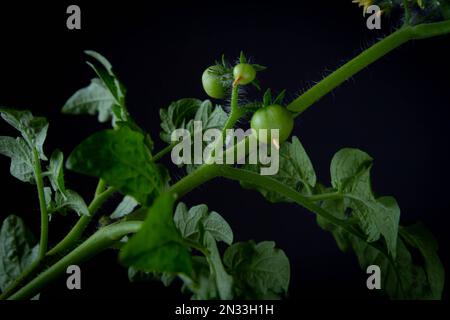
x,y
99,241
43,242
77,231
163,152
367,57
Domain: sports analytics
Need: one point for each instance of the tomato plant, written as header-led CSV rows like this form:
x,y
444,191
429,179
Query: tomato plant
x,y
159,237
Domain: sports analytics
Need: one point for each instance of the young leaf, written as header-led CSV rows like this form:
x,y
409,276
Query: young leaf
x,y
197,220
22,162
216,225
109,79
93,99
125,207
177,115
56,171
181,114
17,250
260,271
121,158
158,246
33,129
188,221
295,170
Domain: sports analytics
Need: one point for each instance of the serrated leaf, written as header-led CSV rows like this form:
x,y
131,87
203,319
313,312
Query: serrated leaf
x,y
17,250
125,207
260,271
121,158
22,163
295,170
94,99
33,129
158,246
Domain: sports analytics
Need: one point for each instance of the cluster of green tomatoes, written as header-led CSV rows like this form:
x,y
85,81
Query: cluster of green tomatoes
x,y
217,81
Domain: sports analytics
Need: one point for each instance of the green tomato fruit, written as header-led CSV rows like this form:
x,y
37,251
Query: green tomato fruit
x,y
244,73
212,83
273,117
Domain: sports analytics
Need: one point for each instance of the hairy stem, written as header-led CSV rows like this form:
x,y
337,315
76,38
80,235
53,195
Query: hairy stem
x,y
43,242
163,152
367,57
77,231
99,241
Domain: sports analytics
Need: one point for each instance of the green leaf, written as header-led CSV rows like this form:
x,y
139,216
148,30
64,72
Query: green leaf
x,y
295,170
205,229
177,115
158,246
198,219
22,162
71,201
218,228
423,240
121,158
260,271
56,171
33,129
188,221
401,277
17,250
202,283
125,207
224,281
94,99
106,74
346,164
350,174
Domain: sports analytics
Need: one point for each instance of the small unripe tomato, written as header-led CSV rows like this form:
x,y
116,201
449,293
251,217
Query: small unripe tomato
x,y
273,117
212,83
244,73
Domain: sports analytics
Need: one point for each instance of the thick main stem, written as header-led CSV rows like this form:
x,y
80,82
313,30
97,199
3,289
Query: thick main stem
x,y
98,242
367,57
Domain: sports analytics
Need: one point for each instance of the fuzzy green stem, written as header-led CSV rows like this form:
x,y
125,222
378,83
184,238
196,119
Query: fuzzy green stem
x,y
77,231
201,175
163,152
43,242
99,241
367,57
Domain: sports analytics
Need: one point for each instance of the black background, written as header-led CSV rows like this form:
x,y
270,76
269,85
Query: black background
x,y
396,110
